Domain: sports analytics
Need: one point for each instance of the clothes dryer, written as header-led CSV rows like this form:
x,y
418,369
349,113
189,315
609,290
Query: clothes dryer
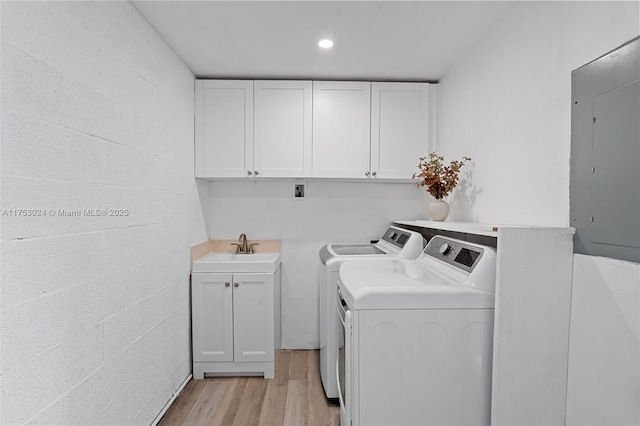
x,y
416,337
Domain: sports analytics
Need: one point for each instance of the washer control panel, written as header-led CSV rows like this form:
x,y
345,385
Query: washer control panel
x,y
401,242
457,253
397,237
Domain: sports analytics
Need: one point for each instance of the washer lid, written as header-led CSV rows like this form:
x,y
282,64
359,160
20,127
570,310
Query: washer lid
x,y
395,241
405,284
355,249
329,255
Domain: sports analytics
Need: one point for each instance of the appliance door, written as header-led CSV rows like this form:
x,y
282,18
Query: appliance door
x,y
343,361
327,284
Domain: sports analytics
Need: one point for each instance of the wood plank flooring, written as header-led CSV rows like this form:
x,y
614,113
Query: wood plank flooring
x,y
293,398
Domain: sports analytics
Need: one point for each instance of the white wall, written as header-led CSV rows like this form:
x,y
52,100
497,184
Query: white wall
x,y
507,104
333,212
97,113
604,358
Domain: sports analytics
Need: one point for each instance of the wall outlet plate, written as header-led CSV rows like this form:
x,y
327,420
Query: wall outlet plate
x,y
299,190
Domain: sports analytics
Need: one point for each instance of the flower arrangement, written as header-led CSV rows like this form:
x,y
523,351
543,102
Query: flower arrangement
x,y
439,179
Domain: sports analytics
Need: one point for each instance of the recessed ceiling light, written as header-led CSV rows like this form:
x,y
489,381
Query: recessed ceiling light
x,y
325,43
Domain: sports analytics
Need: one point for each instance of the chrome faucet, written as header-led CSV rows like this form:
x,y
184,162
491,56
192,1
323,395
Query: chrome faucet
x,y
243,247
243,240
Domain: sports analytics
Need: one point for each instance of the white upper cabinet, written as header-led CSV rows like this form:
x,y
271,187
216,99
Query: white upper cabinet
x,y
223,128
322,129
341,129
399,128
282,126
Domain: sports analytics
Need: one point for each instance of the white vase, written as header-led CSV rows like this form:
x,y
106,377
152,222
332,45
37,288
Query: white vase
x,y
438,210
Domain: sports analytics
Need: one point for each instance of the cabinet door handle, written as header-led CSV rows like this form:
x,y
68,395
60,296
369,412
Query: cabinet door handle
x,y
236,284
374,174
366,173
249,172
255,173
227,284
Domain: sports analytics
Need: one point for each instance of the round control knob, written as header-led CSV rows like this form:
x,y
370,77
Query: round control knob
x,y
445,249
249,172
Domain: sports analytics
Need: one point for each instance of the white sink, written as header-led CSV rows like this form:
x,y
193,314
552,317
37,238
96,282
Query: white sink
x,y
231,262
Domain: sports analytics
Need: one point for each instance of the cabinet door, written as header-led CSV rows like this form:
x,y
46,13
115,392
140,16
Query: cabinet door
x,y
212,317
253,317
399,128
282,140
341,129
224,128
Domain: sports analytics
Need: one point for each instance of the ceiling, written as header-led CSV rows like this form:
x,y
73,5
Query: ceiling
x,y
391,40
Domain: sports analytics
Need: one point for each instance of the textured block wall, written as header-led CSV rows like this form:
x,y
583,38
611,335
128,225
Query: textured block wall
x,y
96,116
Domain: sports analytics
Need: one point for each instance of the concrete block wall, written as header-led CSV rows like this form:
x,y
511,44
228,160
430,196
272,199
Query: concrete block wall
x,y
96,113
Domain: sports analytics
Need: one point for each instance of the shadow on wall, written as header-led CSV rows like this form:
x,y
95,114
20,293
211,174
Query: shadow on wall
x,y
464,198
203,197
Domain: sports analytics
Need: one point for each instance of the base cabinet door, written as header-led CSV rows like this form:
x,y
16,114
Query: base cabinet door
x,y
212,317
253,317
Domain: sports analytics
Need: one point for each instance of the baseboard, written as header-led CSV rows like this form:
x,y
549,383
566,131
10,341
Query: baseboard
x,y
170,402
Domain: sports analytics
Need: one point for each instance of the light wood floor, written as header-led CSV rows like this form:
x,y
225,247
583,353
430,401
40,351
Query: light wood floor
x,y
294,397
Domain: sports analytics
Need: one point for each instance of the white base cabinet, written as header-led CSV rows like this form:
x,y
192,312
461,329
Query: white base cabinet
x,y
235,323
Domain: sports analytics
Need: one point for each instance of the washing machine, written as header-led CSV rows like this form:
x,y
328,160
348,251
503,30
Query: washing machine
x,y
416,337
395,242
